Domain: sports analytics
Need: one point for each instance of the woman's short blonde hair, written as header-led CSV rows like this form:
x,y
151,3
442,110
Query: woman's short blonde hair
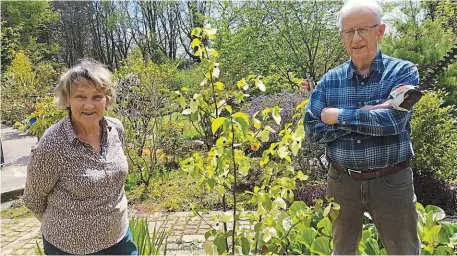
x,y
88,72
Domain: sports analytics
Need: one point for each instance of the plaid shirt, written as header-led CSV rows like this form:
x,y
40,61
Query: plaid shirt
x,y
363,139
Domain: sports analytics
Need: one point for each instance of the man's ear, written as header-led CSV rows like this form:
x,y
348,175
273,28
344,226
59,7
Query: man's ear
x,y
382,29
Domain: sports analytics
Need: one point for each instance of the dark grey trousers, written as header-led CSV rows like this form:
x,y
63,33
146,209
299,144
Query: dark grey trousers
x,y
391,202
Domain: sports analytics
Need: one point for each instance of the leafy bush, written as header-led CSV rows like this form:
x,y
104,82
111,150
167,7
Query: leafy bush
x,y
142,107
23,85
434,136
47,113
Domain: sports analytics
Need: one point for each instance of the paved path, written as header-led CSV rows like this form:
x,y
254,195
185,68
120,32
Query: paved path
x,y
185,233
16,150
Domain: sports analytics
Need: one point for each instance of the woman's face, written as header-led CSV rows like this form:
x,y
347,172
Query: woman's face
x,y
87,104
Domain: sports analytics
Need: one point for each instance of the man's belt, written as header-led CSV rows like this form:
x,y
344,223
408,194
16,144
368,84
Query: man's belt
x,y
372,174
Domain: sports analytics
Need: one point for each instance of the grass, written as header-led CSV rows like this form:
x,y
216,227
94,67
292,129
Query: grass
x,y
17,211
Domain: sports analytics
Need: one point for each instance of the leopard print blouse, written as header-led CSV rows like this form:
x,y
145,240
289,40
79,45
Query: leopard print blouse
x,y
77,193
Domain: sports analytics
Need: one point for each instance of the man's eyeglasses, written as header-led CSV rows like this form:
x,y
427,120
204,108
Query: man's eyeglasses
x,y
348,34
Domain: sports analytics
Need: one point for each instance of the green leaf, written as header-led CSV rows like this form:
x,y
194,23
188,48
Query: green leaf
x,y
259,84
220,243
307,237
195,42
269,233
217,123
321,246
301,176
371,247
276,115
283,152
431,235
366,234
196,32
281,203
182,101
219,85
295,207
242,124
438,213
444,250
302,104
447,232
229,109
209,247
242,115
296,146
214,53
245,246
264,135
257,123
240,84
266,202
194,105
221,190
325,225
186,112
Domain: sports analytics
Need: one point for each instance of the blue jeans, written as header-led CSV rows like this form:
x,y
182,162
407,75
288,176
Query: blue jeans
x,y
124,247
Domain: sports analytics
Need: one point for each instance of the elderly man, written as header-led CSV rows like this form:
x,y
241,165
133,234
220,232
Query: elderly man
x,y
368,142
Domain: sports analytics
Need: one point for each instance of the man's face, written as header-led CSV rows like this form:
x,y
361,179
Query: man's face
x,y
362,45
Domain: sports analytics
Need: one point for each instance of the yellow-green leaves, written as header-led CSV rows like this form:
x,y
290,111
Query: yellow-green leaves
x,y
181,99
302,104
276,115
196,32
219,86
242,84
242,115
194,103
217,123
216,71
195,43
229,109
259,84
209,31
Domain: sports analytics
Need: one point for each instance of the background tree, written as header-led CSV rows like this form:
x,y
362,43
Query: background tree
x,y
28,26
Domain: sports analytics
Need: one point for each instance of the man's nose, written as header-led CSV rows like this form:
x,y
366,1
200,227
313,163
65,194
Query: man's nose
x,y
356,36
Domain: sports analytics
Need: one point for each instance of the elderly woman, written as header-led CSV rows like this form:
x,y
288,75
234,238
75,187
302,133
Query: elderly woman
x,y
75,179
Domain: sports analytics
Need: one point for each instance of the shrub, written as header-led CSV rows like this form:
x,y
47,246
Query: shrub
x,y
23,85
434,136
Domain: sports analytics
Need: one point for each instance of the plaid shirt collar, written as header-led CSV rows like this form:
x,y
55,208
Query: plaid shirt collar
x,y
377,66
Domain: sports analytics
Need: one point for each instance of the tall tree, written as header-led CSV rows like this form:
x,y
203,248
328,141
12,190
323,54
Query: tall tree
x,y
27,26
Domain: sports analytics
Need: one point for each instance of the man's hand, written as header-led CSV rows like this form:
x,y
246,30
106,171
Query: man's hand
x,y
330,115
379,106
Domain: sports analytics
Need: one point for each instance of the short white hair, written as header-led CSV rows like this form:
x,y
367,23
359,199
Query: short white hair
x,y
352,6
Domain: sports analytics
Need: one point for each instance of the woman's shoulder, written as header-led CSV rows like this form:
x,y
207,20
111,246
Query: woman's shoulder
x,y
53,136
115,122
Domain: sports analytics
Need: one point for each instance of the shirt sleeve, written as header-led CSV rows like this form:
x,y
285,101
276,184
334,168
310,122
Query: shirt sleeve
x,y
42,176
380,122
316,130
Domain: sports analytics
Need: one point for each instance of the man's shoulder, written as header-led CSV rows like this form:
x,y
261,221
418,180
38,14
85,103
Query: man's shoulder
x,y
394,62
336,74
339,71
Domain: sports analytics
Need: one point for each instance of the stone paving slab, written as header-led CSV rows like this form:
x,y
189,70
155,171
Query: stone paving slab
x,y
185,233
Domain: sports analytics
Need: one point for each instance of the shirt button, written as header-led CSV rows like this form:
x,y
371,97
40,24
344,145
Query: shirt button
x,y
344,122
359,103
358,141
362,83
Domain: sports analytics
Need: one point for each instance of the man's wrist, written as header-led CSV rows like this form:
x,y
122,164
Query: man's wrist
x,y
345,116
